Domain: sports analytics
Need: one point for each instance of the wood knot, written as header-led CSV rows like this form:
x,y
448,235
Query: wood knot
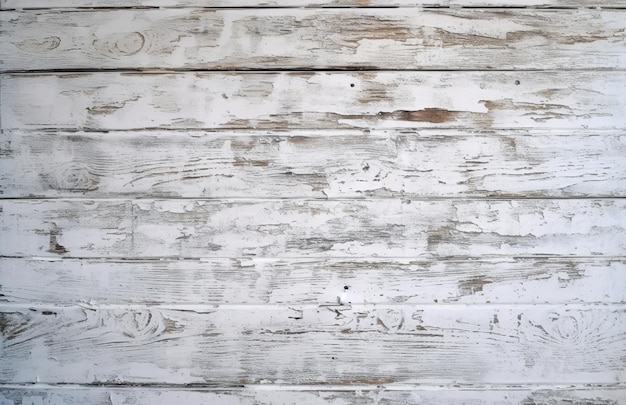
x,y
141,323
39,45
567,327
122,44
131,44
76,177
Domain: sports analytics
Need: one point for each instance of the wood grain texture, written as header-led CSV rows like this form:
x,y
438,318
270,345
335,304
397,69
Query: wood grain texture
x,y
375,345
461,39
480,100
313,164
267,395
312,281
42,4
312,228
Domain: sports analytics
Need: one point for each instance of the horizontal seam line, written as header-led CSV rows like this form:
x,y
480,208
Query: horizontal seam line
x,y
68,129
424,259
400,198
348,69
375,133
531,6
201,307
301,199
322,387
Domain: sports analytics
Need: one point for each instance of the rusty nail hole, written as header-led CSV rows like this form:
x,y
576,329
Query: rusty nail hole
x,y
517,82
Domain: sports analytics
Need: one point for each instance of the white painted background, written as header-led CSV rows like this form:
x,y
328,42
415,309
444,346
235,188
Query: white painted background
x,y
312,202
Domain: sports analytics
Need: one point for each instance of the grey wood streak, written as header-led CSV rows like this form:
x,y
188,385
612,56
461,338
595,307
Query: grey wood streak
x,y
314,164
562,4
314,344
254,281
315,39
479,100
312,228
360,395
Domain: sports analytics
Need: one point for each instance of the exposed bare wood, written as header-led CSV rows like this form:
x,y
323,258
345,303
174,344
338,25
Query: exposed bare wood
x,y
312,228
374,345
396,38
317,164
313,281
361,395
19,4
479,100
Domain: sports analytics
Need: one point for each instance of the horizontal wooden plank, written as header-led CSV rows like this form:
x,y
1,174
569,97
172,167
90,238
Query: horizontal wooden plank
x,y
313,281
462,39
42,4
314,100
312,228
481,395
314,345
314,164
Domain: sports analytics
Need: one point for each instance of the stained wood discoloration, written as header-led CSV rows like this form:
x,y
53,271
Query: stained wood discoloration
x,y
55,247
106,345
313,281
314,39
326,100
309,228
315,164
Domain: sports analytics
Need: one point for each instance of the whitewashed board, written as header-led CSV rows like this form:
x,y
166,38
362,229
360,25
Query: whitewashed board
x,y
313,164
479,100
462,39
341,345
312,228
254,281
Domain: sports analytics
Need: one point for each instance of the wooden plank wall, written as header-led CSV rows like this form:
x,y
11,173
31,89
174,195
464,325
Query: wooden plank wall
x,y
313,202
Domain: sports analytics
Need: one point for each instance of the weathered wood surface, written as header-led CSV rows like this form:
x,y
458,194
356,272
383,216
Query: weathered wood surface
x,y
312,281
479,100
360,395
314,164
562,4
475,217
312,228
366,344
395,38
